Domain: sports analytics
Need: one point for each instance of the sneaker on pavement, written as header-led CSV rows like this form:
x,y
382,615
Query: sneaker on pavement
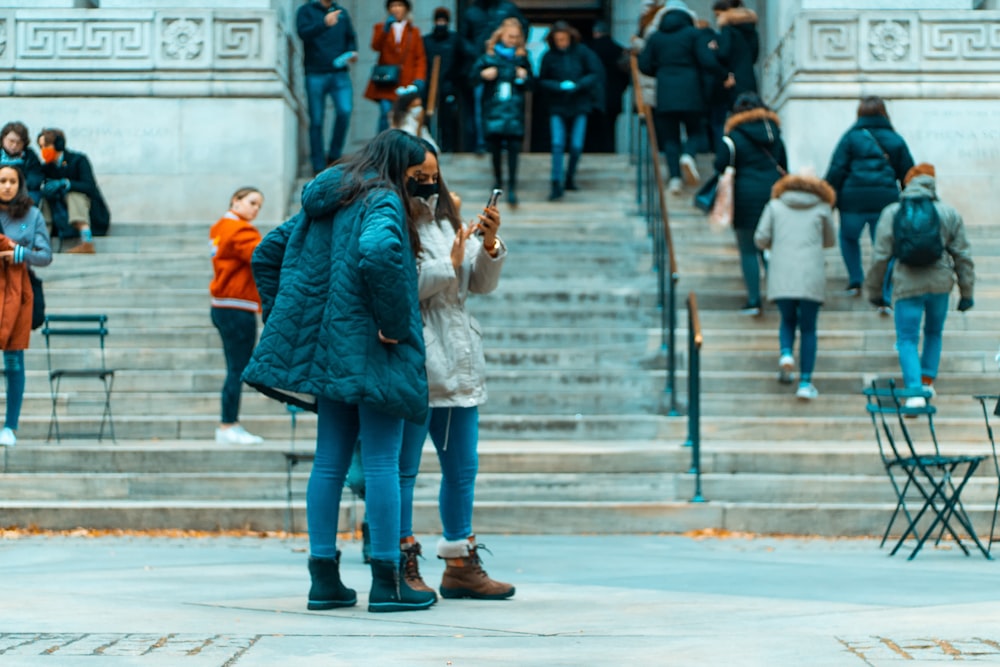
x,y
916,402
752,309
786,364
7,437
690,170
235,435
807,392
929,390
853,289
675,187
885,311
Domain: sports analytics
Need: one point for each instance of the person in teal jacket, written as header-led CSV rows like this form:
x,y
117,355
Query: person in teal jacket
x,y
343,336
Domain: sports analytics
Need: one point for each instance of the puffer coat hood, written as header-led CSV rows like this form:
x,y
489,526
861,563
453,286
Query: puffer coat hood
x,y
796,225
760,161
955,263
330,279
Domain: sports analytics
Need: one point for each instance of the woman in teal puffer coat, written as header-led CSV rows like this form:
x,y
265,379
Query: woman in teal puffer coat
x,y
343,336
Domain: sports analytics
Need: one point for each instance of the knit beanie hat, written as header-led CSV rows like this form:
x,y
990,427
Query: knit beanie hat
x,y
922,169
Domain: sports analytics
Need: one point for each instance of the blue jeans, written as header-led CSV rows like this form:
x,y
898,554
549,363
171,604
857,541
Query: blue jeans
x,y
477,116
337,427
750,259
577,135
455,433
238,330
851,227
338,86
801,315
933,309
384,109
13,370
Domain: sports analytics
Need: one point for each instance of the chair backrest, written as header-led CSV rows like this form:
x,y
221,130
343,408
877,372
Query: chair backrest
x,y
885,398
81,325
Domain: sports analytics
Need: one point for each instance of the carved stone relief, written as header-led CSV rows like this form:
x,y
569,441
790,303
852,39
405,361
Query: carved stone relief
x,y
238,39
183,39
62,40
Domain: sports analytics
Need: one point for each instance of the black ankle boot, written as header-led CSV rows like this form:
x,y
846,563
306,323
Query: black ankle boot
x,y
327,591
556,192
390,591
574,160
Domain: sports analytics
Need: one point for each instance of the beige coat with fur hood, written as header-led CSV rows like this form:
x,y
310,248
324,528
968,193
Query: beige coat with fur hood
x,y
795,226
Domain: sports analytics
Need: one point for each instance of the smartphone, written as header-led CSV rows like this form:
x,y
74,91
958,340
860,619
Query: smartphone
x,y
494,198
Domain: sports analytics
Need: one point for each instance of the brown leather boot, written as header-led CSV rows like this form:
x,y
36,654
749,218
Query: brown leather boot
x,y
411,568
83,248
464,576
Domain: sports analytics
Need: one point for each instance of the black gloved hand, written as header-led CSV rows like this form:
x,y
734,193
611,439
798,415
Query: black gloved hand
x,y
965,303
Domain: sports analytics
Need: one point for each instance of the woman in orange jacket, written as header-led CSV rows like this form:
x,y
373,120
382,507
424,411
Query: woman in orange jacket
x,y
398,42
23,243
235,304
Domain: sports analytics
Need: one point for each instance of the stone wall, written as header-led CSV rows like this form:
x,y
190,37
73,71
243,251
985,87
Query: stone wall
x,y
938,70
175,107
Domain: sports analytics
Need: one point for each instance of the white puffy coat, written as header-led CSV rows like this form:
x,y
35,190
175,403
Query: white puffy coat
x,y
456,365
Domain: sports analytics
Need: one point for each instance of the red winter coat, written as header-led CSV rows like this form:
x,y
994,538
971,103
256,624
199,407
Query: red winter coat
x,y
16,301
412,68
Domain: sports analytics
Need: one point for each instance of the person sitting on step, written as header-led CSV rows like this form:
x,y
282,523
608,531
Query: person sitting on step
x,y
71,201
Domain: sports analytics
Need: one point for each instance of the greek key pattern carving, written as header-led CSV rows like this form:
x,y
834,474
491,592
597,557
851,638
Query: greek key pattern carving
x,y
899,41
961,41
83,40
3,38
238,39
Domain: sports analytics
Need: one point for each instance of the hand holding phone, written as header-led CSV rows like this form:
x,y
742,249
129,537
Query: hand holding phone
x,y
494,198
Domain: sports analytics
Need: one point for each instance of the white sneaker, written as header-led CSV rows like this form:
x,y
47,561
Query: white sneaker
x,y
690,170
807,392
235,435
675,187
248,438
916,402
7,437
786,364
929,390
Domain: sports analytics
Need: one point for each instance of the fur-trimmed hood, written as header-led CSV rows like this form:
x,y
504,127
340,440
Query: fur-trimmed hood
x,y
791,188
736,16
751,116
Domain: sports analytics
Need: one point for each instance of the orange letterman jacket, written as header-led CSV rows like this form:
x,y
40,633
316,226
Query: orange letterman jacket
x,y
233,240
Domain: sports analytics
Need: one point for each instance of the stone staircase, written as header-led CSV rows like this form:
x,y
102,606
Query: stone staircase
x,y
575,436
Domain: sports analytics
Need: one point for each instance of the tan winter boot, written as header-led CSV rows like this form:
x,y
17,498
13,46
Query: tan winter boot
x,y
464,576
411,568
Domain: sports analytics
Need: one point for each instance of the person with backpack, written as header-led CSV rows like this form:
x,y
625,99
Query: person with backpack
x,y
866,170
924,240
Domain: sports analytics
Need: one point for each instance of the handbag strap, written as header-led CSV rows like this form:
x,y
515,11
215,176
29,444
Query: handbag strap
x,y
879,144
777,165
732,150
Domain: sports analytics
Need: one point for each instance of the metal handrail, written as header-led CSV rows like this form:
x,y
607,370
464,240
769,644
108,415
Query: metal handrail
x,y
658,227
694,393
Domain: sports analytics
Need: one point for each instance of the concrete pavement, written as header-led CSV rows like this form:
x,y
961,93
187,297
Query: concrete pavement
x,y
581,600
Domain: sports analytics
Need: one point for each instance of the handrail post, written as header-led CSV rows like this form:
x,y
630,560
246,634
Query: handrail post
x,y
694,394
671,308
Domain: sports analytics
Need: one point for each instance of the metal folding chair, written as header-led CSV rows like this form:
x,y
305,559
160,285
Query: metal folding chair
x,y
996,462
85,326
933,480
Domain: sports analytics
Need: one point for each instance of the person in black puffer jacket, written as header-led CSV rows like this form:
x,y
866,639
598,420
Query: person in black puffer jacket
x,y
678,55
866,170
739,45
760,161
451,77
572,76
505,74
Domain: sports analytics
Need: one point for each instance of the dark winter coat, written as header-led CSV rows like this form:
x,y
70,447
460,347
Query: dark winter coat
x,y
739,47
616,80
677,55
868,166
483,17
75,167
330,279
756,134
579,65
321,43
503,117
454,60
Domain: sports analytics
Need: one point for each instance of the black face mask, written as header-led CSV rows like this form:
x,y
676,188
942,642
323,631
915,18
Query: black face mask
x,y
423,190
440,31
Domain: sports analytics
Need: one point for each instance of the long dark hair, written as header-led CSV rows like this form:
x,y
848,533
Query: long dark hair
x,y
383,164
19,206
